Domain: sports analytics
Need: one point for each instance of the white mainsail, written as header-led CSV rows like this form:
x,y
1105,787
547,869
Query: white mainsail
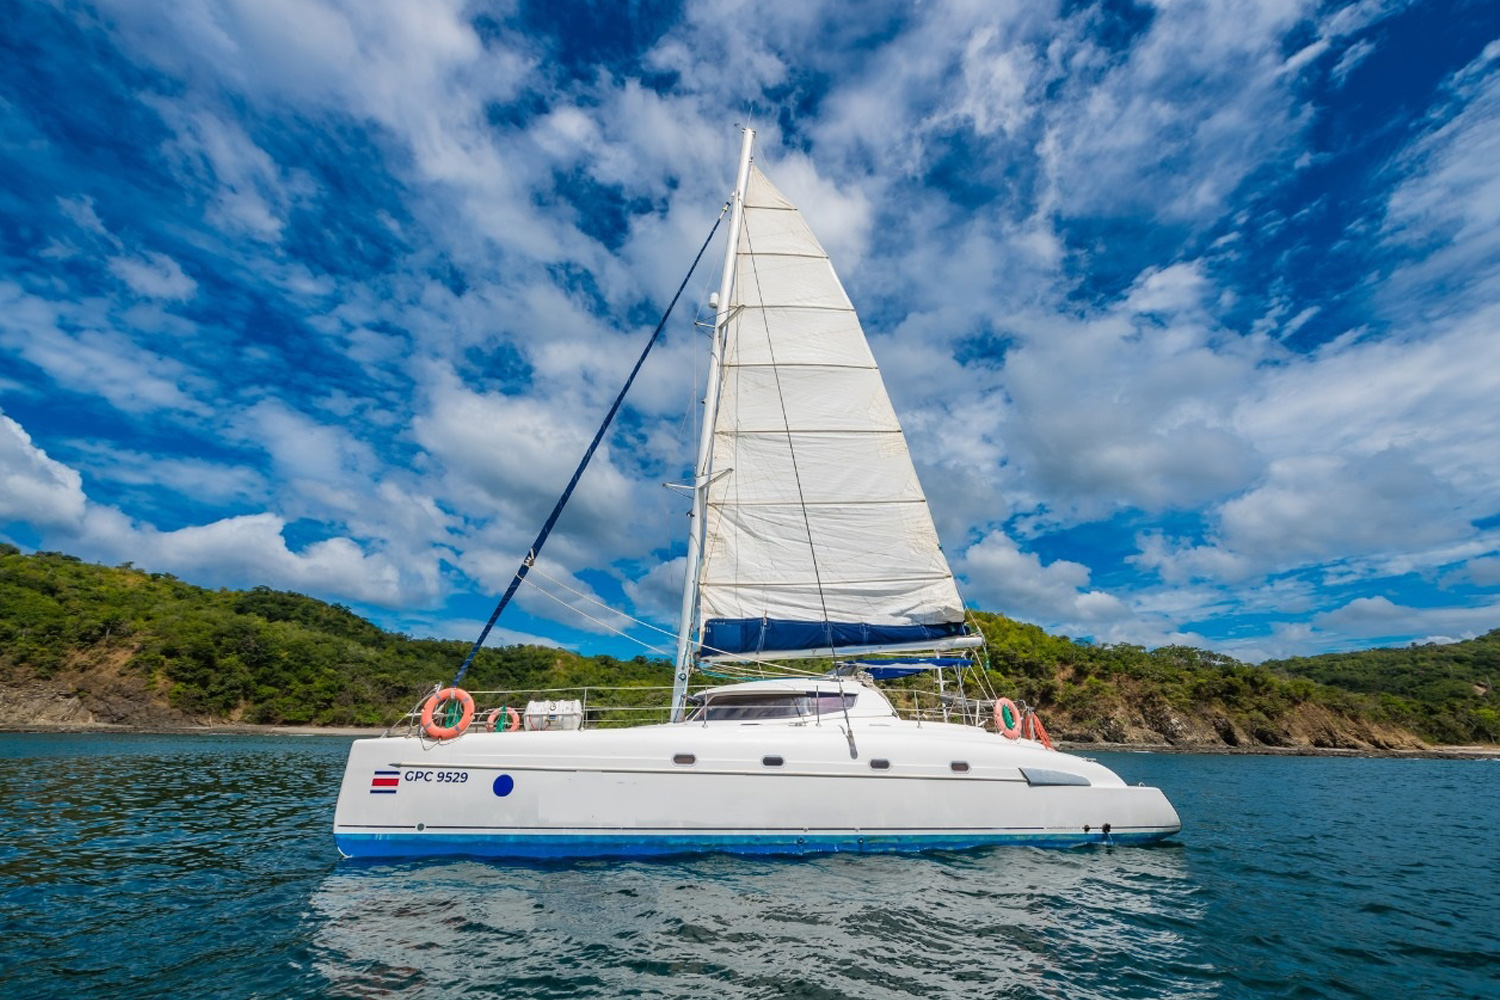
x,y
817,532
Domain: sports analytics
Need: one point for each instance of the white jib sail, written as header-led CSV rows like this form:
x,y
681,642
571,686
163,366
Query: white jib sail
x,y
815,514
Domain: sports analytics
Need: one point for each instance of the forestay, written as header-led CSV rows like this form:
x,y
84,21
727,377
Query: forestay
x,y
817,531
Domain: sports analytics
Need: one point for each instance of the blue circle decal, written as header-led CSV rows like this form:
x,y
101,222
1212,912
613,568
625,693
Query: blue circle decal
x,y
504,785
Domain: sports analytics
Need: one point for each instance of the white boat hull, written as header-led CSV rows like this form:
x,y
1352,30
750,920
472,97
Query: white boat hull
x,y
631,792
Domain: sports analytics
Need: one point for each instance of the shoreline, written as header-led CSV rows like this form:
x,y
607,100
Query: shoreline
x,y
1472,752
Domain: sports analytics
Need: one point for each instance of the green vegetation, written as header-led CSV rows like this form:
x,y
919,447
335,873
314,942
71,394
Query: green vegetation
x,y
1449,688
1443,693
1175,689
274,657
260,655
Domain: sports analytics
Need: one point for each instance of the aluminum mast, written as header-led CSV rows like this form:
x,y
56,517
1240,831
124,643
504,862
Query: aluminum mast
x,y
702,470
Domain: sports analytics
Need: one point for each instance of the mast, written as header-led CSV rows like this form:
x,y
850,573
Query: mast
x,y
703,468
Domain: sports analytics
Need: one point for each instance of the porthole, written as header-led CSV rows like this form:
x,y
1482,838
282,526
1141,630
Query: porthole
x,y
772,761
880,764
684,758
960,766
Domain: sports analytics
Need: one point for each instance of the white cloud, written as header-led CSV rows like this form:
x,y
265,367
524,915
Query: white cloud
x,y
1484,571
657,595
252,547
243,550
1000,575
205,481
1374,617
252,193
154,275
1132,408
466,630
303,448
33,487
1445,212
75,344
1351,57
511,456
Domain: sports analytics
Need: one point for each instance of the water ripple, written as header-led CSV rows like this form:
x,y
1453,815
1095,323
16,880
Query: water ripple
x,y
150,866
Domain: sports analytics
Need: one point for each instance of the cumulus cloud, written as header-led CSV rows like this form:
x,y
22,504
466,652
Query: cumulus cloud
x,y
33,487
1000,575
657,595
1378,617
253,547
511,456
1134,407
49,496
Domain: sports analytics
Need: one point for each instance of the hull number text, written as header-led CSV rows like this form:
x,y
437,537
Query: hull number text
x,y
437,777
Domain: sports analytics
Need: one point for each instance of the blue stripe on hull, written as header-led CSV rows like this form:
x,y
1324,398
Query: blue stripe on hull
x,y
593,845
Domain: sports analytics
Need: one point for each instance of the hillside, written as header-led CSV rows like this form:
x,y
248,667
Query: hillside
x,y
83,644
1449,687
1180,695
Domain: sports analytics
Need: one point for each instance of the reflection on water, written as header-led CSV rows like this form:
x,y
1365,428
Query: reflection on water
x,y
138,866
1020,922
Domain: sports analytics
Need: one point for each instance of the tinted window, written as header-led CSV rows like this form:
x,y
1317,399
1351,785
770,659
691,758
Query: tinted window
x,y
773,706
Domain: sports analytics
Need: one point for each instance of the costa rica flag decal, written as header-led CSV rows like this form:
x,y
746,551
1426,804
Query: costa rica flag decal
x,y
385,782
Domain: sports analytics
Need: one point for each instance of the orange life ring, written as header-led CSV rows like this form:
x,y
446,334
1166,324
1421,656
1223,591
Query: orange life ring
x,y
1007,718
1038,731
430,725
512,720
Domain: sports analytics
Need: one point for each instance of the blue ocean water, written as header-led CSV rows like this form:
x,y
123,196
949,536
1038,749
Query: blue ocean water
x,y
203,866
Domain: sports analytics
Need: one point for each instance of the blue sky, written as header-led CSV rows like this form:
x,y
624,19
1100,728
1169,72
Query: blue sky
x,y
1191,311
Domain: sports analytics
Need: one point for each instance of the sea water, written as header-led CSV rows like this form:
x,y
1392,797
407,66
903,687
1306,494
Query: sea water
x,y
204,866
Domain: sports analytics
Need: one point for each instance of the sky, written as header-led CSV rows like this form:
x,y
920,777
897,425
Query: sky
x,y
1190,310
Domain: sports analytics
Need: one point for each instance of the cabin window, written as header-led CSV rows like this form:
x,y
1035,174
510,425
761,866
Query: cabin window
x,y
960,766
772,761
772,705
684,758
880,764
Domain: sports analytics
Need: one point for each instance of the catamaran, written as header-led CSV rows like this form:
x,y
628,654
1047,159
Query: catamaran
x,y
811,540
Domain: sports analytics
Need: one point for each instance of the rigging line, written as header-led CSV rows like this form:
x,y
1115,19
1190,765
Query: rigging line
x,y
764,664
567,493
637,621
594,600
812,549
602,624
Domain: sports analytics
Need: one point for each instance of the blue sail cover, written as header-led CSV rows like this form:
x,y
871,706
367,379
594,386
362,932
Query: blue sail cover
x,y
760,635
890,668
